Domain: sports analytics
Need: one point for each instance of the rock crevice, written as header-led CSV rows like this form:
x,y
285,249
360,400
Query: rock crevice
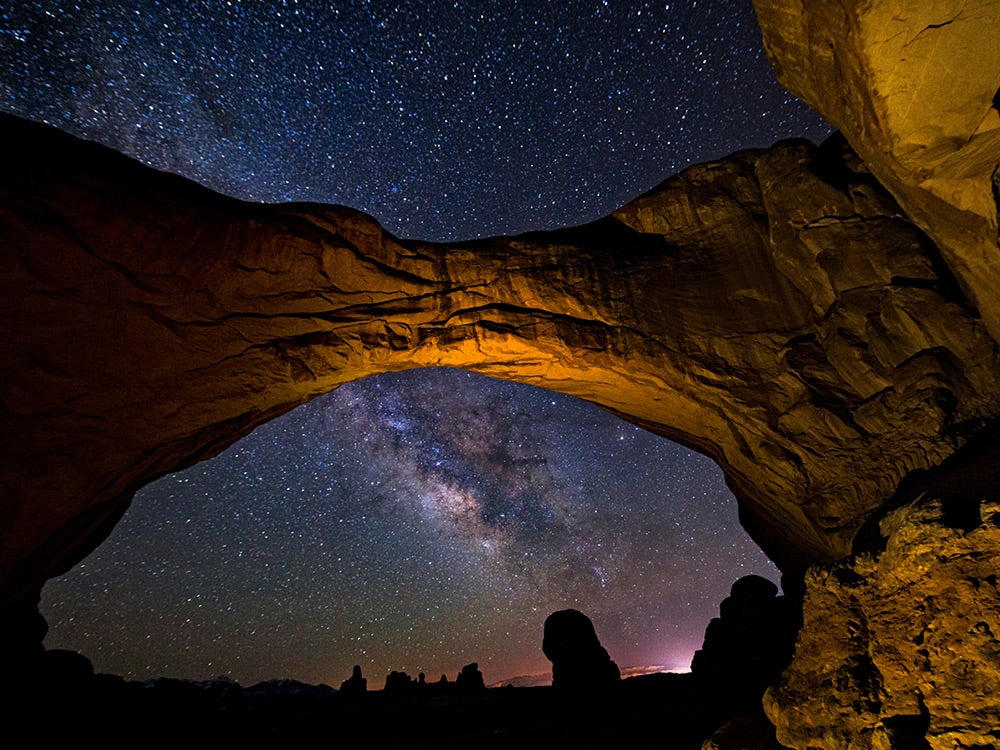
x,y
898,648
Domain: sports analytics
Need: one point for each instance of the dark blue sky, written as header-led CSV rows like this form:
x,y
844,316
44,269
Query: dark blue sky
x,y
424,520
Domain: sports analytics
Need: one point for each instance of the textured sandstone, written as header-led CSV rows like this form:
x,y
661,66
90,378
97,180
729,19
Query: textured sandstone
x,y
914,85
775,310
903,643
900,647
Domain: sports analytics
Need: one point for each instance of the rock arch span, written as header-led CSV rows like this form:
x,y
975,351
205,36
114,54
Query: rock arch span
x,y
775,310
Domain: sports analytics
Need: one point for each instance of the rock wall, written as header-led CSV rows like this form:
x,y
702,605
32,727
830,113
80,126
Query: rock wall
x,y
914,85
899,648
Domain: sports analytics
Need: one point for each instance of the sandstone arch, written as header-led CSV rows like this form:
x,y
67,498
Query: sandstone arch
x,y
777,309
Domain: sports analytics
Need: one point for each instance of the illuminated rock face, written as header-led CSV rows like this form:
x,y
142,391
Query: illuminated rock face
x,y
775,310
901,645
914,85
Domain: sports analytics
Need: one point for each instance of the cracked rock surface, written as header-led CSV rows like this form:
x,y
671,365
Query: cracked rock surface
x,y
915,87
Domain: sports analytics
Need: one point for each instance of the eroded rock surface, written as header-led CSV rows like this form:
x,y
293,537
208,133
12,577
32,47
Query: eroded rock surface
x,y
775,309
899,649
914,85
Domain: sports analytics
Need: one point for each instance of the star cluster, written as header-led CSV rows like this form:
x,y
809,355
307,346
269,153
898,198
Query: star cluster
x,y
424,520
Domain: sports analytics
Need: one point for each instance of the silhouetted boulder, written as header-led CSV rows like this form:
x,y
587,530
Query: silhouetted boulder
x,y
470,679
747,646
355,684
22,630
579,662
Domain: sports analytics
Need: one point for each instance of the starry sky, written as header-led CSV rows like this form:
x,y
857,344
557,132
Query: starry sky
x,y
428,519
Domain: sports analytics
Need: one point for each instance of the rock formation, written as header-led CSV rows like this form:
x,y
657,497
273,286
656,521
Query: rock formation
x,y
470,679
356,684
398,682
899,648
580,664
747,646
775,310
829,341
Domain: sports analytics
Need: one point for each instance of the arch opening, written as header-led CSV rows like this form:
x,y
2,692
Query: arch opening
x,y
415,521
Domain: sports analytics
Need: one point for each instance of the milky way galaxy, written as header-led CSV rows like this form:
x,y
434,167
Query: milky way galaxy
x,y
415,521
423,520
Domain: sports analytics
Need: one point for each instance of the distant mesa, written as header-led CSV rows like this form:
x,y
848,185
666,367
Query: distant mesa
x,y
356,684
272,690
579,662
525,681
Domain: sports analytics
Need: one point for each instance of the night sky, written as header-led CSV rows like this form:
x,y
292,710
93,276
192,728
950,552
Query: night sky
x,y
423,520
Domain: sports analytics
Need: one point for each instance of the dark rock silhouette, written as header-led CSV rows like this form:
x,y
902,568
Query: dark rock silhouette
x,y
108,711
398,682
355,684
470,679
579,662
287,689
66,666
22,630
747,646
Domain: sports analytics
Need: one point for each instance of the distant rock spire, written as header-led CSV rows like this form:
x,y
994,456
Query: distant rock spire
x,y
355,684
579,662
